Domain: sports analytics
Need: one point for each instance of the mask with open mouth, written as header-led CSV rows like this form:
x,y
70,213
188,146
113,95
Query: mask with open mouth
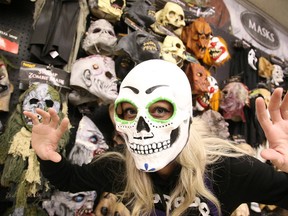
x,y
154,142
41,96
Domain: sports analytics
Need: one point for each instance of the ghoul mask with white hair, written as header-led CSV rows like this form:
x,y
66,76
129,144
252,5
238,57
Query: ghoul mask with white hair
x,y
152,89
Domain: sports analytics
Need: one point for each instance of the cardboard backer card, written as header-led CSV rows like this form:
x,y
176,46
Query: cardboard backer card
x,y
9,40
32,73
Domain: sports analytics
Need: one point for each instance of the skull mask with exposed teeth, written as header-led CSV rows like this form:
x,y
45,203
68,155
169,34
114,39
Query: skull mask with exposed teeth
x,y
154,143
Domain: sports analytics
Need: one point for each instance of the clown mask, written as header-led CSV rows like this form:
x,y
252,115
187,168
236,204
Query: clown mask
x,y
217,52
153,113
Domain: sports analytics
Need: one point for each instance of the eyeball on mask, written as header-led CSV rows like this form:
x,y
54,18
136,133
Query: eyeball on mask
x,y
153,113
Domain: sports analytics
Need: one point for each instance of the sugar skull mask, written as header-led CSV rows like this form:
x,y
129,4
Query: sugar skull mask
x,y
41,96
154,141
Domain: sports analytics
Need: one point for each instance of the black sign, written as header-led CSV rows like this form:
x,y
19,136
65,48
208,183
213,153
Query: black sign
x,y
260,30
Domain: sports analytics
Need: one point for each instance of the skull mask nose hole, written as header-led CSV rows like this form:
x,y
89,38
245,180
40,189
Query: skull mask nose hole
x,y
142,125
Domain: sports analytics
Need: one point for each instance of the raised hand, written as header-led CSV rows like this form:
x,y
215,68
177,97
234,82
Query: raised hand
x,y
275,127
47,133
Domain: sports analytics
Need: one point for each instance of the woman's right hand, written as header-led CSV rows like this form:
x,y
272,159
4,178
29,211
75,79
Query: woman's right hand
x,y
47,133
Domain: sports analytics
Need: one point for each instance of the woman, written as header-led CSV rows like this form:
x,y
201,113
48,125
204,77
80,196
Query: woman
x,y
172,164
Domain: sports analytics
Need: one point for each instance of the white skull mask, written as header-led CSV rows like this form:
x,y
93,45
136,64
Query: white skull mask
x,y
173,50
170,17
153,142
41,96
277,75
100,38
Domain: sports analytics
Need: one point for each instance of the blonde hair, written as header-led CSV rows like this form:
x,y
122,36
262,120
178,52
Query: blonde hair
x,y
201,150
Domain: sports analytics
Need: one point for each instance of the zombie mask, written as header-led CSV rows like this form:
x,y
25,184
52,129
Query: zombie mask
x,y
6,88
96,74
170,18
252,59
154,141
89,142
197,76
233,100
110,10
217,52
139,45
197,36
42,96
70,204
173,50
277,75
100,38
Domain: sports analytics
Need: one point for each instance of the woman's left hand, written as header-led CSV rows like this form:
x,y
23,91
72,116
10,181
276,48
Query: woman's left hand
x,y
275,127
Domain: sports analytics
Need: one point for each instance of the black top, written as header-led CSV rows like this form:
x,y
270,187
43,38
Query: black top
x,y
233,180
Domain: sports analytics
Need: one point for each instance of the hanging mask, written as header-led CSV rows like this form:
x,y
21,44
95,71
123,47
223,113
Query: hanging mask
x,y
217,52
70,204
139,45
6,88
217,124
110,10
42,96
151,89
197,76
173,50
261,92
141,12
277,75
96,74
197,36
252,59
265,68
89,142
235,96
100,38
170,18
213,93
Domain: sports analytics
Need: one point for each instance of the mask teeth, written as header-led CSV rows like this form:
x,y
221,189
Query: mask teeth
x,y
150,148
